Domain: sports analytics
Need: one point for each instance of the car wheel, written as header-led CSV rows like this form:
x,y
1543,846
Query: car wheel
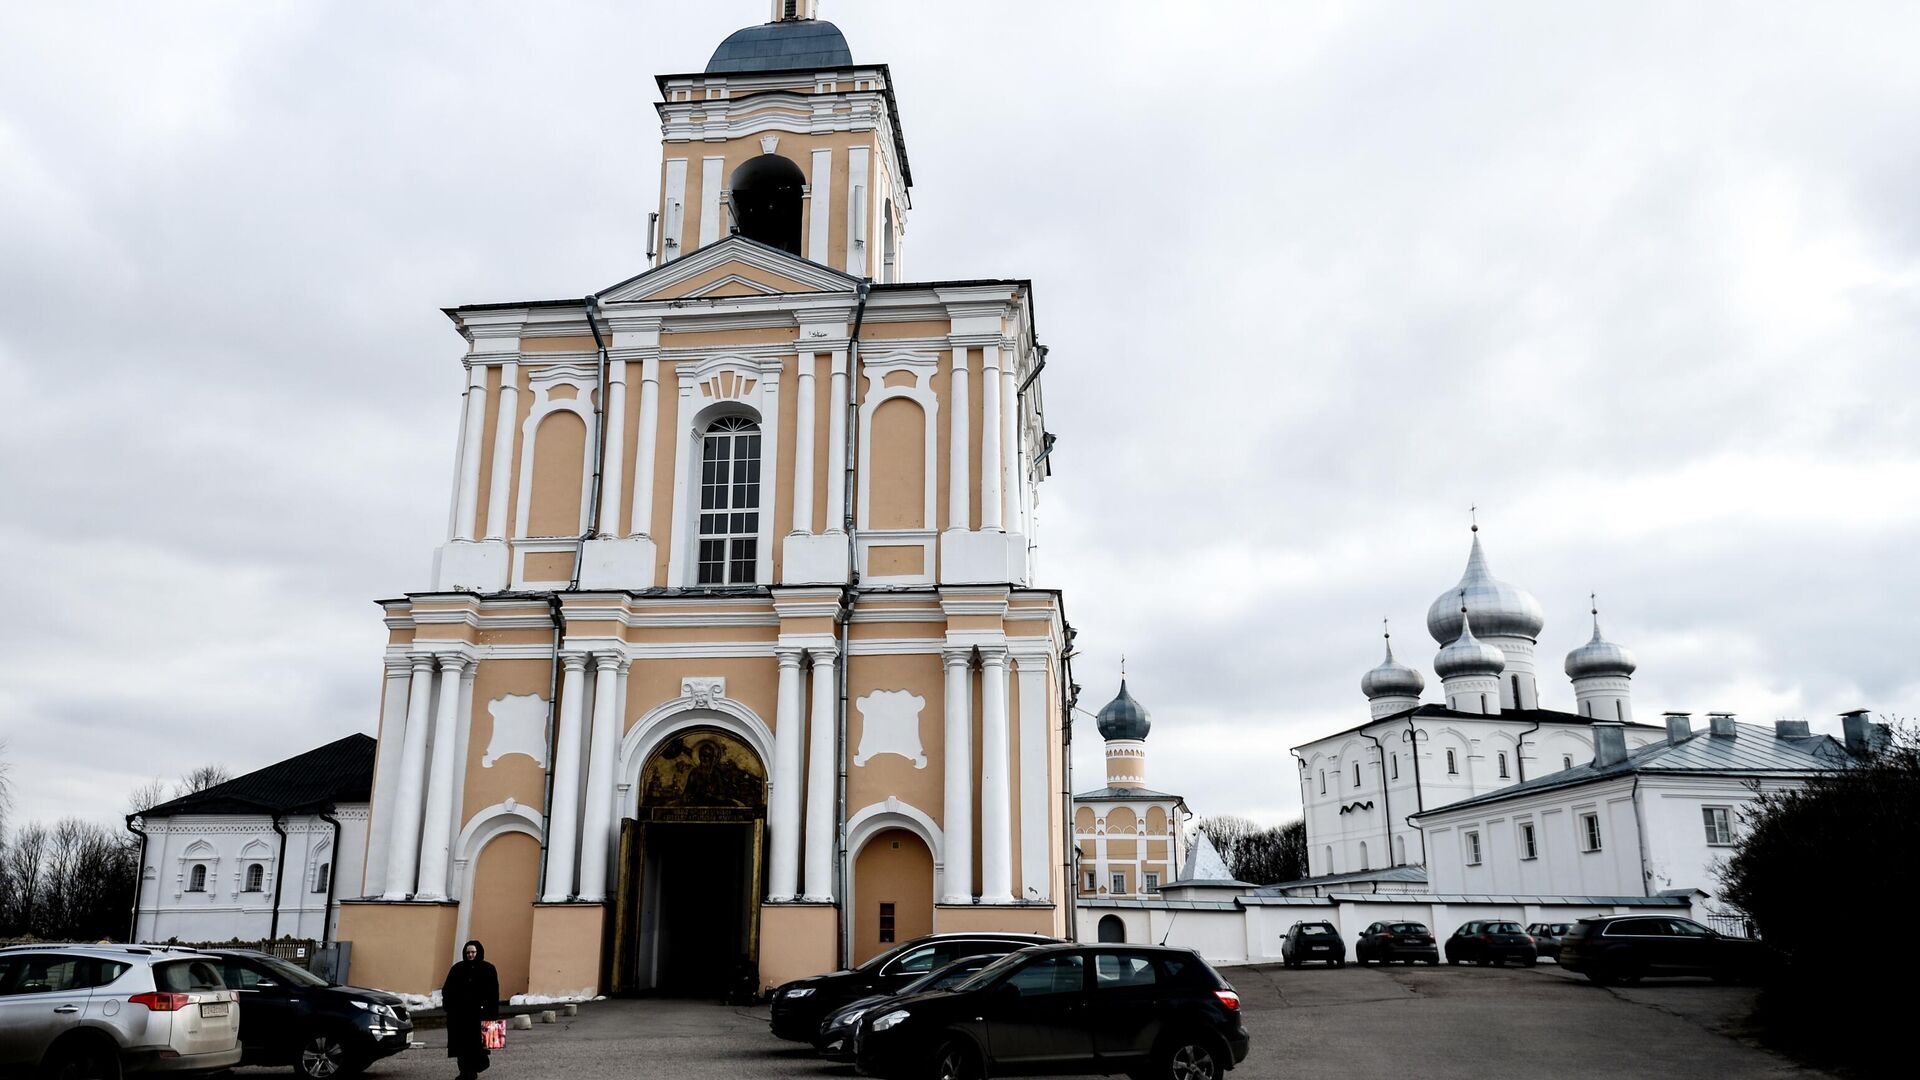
x,y
324,1056
1434,962
84,1059
955,1061
1188,1057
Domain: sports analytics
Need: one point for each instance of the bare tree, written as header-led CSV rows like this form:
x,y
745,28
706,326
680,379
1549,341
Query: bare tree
x,y
147,796
22,866
201,779
1262,856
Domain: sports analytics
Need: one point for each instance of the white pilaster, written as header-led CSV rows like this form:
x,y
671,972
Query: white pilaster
x,y
432,884
644,464
674,211
686,441
504,429
820,214
858,186
1010,445
959,481
956,820
710,185
820,773
386,775
602,764
1036,868
612,473
563,828
769,480
403,837
466,505
990,497
788,738
996,790
803,446
837,445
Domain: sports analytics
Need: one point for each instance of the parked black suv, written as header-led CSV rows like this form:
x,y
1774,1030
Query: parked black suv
x,y
1627,948
1144,1010
1313,942
799,1006
1390,941
289,1016
1491,941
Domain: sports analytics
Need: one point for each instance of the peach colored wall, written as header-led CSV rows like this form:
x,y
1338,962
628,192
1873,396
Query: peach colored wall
x,y
505,881
489,427
567,941
895,868
899,474
514,776
405,948
1022,919
797,940
890,774
559,444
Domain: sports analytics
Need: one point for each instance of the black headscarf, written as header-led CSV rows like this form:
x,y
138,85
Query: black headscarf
x,y
471,994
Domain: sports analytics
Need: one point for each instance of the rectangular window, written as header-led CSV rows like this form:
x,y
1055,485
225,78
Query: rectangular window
x,y
886,923
1590,831
1092,883
1719,822
1152,882
1473,849
1503,765
1529,848
1119,884
1356,774
1453,767
1394,763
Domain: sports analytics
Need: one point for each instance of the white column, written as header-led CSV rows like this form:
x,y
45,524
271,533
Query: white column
x,y
783,876
990,499
959,481
996,788
643,463
820,772
1036,862
956,820
403,832
1009,445
837,445
504,429
803,446
439,813
710,185
563,828
472,426
612,473
386,776
604,748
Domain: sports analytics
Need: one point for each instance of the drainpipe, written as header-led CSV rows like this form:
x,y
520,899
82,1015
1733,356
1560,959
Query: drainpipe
x,y
594,494
333,874
1520,751
1640,834
559,618
139,878
849,596
1386,792
1419,797
1070,697
279,877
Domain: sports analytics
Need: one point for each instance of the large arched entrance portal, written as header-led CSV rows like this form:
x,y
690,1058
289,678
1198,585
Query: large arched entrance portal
x,y
687,910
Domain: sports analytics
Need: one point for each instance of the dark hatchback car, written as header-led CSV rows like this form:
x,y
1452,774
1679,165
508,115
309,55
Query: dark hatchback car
x,y
1628,948
289,1016
1547,936
801,1005
1389,941
1491,942
835,1040
1313,942
1144,1010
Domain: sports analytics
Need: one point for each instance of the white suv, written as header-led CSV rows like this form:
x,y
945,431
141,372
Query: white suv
x,y
84,1011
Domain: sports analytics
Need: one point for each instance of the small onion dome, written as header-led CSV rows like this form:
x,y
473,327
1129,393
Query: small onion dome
x,y
1468,655
1599,657
1124,718
1392,679
1502,610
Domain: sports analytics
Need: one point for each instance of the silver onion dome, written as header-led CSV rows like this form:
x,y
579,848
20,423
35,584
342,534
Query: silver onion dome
x,y
1392,678
1499,609
1123,717
1468,655
1600,656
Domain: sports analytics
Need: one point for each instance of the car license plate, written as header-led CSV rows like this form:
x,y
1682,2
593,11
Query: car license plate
x,y
215,1008
1321,948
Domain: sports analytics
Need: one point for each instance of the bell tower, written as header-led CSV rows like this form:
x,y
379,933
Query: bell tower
x,y
785,140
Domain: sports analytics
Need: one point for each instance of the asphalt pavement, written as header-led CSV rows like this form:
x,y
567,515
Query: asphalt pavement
x,y
1328,1024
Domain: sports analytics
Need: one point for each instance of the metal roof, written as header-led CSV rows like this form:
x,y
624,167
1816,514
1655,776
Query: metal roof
x,y
1126,794
339,772
1441,712
1754,749
782,46
1413,875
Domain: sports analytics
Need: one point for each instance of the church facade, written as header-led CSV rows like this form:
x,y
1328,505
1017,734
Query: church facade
x,y
733,665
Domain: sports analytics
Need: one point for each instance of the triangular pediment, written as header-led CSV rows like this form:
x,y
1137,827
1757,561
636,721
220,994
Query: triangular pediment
x,y
733,266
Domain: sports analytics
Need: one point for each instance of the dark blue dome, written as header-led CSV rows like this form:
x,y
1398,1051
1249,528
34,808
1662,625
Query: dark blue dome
x,y
783,46
1124,718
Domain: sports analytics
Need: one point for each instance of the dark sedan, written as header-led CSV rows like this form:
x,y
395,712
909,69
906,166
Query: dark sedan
x,y
1491,942
835,1040
1548,936
1143,1010
1313,942
289,1016
1402,941
1628,948
801,1005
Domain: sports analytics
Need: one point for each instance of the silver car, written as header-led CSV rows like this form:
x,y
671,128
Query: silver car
x,y
80,1011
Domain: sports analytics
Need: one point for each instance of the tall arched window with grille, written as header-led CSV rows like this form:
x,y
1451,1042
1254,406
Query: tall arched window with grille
x,y
256,877
197,878
729,502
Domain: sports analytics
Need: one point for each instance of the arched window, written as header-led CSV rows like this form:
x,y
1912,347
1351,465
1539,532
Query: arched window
x,y
197,878
1363,856
256,877
1453,767
1566,761
1328,868
767,197
1399,851
1112,929
1503,765
729,502
1323,781
1356,774
321,879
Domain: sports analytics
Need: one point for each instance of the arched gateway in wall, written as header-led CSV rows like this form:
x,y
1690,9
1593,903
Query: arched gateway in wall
x,y
687,912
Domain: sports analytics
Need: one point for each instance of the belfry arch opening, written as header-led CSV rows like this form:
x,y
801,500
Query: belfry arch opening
x,y
767,195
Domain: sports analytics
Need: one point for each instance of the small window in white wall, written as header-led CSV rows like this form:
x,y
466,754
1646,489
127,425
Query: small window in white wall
x,y
1453,766
1529,847
1093,882
1399,851
1590,832
1356,774
1323,781
1327,858
1473,848
197,878
321,879
1364,865
1151,882
1393,764
256,877
1719,823
1503,765
1566,761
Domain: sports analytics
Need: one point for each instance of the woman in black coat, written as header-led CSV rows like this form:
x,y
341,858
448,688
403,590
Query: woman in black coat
x,y
472,994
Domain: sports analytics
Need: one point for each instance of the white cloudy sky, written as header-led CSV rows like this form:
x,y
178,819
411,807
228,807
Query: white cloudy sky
x,y
1641,280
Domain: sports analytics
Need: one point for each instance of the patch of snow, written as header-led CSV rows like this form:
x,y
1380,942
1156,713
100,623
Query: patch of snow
x,y
586,994
416,1001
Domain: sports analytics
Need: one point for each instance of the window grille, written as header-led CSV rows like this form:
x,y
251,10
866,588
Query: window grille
x,y
729,502
886,923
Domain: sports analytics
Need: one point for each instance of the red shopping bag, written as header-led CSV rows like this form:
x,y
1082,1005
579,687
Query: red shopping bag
x,y
493,1034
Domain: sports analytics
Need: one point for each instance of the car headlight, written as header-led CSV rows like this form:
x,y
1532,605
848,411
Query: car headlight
x,y
376,1009
892,1019
797,992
